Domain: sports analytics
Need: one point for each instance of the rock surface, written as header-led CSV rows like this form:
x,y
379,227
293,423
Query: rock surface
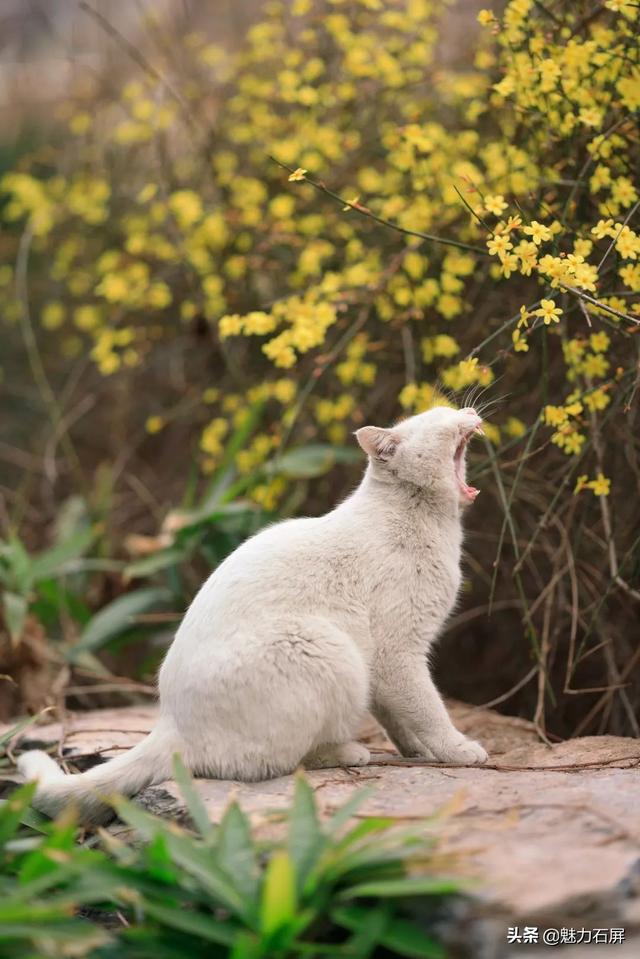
x,y
548,835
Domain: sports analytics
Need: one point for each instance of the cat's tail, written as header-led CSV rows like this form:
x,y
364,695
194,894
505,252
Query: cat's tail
x,y
147,763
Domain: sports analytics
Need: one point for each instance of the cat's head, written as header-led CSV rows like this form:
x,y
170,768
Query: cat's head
x,y
427,451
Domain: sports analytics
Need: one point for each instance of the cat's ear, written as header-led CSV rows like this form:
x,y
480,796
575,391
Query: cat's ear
x,y
378,443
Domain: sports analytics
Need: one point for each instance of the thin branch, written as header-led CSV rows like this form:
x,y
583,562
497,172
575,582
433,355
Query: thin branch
x,y
365,211
510,692
601,306
614,239
138,58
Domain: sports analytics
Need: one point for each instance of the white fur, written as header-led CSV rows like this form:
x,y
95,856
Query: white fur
x,y
308,624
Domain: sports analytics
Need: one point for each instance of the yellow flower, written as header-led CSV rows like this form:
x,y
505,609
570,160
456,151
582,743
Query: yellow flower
x,y
259,323
582,247
591,116
597,400
515,427
230,325
538,232
282,206
492,432
298,174
595,364
549,73
627,243
186,207
284,391
585,275
52,316
499,245
623,191
154,424
147,193
212,435
80,123
581,483
520,344
599,342
603,228
485,17
574,443
601,485
509,264
549,312
555,415
630,276
87,317
444,345
495,204
524,317
569,440
114,287
408,395
513,223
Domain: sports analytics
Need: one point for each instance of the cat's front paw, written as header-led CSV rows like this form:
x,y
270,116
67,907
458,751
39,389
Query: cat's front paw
x,y
463,751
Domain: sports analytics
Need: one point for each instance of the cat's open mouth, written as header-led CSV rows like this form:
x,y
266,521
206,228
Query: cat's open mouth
x,y
469,493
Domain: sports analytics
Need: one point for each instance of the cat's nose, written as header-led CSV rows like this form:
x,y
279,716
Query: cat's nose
x,y
478,426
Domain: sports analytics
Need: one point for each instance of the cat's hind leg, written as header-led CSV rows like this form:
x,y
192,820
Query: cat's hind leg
x,y
283,690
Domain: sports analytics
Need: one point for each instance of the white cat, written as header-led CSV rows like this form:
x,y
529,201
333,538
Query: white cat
x,y
308,624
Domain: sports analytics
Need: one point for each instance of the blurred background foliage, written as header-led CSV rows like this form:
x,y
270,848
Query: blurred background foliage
x,y
239,233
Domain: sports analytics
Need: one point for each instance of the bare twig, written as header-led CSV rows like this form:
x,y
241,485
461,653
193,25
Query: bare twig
x,y
601,306
138,58
365,211
510,692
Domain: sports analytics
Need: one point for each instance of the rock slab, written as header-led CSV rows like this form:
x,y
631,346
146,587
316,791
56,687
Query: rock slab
x,y
547,835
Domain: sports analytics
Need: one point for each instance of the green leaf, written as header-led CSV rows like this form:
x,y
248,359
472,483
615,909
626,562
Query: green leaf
x,y
15,609
18,562
372,824
225,472
36,821
247,946
143,822
403,886
190,854
194,803
240,515
80,938
53,561
342,815
400,937
314,459
278,905
305,840
155,563
236,853
40,862
202,927
8,735
53,600
368,932
158,864
119,616
12,810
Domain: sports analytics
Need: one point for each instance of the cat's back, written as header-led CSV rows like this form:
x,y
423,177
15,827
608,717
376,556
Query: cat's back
x,y
275,566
